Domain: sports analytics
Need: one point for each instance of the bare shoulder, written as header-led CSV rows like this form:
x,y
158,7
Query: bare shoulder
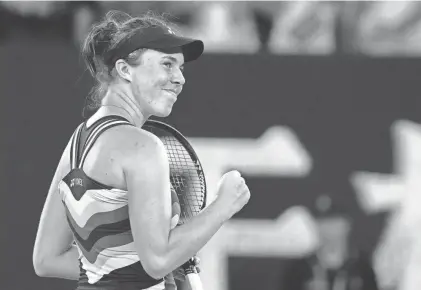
x,y
141,146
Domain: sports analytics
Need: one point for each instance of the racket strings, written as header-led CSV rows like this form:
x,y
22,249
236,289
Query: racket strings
x,y
186,178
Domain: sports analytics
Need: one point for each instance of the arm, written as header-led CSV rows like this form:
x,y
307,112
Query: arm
x,y
54,255
160,249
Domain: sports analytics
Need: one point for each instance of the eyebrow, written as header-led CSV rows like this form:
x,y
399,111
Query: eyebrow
x,y
172,59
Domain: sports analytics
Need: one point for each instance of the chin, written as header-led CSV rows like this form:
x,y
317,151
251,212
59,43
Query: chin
x,y
164,112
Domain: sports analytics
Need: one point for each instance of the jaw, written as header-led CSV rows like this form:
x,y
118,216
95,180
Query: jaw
x,y
158,103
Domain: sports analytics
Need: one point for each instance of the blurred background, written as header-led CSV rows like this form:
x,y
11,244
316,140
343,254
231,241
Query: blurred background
x,y
316,103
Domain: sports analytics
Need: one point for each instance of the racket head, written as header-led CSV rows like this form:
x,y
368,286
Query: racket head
x,y
186,172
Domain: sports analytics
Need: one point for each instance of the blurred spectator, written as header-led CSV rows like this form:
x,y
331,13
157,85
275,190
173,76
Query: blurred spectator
x,y
336,264
347,26
304,27
83,15
390,28
378,28
263,13
58,20
225,27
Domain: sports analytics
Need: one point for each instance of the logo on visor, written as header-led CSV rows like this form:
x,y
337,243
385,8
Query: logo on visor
x,y
170,31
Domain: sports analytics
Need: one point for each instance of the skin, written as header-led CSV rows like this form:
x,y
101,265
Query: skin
x,y
150,88
140,166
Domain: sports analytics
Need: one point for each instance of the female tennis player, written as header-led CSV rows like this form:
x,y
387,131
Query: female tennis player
x,y
109,217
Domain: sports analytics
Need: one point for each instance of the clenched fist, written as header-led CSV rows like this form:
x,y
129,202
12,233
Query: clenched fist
x,y
232,193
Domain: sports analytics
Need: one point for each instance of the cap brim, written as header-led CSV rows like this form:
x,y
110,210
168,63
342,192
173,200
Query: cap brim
x,y
192,49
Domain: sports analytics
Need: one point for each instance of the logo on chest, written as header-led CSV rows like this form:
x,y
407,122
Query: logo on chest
x,y
76,182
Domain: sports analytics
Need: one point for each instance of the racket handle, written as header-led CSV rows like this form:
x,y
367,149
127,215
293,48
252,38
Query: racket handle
x,y
195,282
192,275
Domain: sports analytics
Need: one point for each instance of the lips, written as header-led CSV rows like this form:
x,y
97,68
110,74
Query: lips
x,y
174,91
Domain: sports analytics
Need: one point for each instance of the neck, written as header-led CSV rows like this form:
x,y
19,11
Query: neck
x,y
117,99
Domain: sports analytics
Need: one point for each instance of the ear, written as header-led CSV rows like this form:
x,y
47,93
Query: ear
x,y
123,70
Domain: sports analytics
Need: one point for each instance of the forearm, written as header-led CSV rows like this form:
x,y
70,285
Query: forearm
x,y
186,240
65,266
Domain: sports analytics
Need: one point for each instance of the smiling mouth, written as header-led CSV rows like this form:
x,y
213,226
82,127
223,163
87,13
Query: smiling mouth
x,y
172,92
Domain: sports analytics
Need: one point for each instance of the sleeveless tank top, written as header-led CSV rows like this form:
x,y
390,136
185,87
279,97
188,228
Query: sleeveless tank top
x,y
98,217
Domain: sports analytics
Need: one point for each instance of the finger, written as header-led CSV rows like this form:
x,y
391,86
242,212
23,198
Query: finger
x,y
174,221
242,188
179,274
196,260
241,183
235,173
180,278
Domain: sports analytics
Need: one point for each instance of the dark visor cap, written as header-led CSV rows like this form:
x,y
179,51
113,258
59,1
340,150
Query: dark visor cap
x,y
160,39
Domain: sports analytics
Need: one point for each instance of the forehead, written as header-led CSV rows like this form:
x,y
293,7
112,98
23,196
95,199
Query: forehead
x,y
152,56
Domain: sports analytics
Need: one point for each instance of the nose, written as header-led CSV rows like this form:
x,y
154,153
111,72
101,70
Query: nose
x,y
178,78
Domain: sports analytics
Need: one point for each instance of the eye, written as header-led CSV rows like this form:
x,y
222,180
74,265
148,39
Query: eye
x,y
168,64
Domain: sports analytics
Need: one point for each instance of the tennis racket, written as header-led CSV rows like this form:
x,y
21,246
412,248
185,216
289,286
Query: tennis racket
x,y
187,179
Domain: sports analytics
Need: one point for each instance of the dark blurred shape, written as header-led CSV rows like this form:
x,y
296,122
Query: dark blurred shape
x,y
347,26
264,24
336,264
53,20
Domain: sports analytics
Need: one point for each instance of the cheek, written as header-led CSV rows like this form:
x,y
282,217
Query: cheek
x,y
157,94
158,77
140,85
149,86
161,80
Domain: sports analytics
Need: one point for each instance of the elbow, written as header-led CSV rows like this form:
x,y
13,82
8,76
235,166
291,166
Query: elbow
x,y
39,264
155,268
39,268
